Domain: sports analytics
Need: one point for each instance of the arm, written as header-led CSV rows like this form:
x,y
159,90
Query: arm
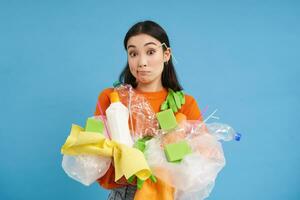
x,y
104,101
190,109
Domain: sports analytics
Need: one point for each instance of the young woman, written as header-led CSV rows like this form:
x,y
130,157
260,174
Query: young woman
x,y
150,71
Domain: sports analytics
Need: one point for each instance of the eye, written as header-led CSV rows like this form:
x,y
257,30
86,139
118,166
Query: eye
x,y
150,51
132,54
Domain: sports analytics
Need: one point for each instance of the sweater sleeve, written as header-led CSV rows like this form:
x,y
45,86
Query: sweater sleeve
x,y
103,101
191,109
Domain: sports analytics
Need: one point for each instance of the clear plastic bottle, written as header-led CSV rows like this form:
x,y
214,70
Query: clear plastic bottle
x,y
223,132
117,118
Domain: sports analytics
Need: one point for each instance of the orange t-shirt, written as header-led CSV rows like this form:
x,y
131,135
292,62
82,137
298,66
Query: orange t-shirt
x,y
190,109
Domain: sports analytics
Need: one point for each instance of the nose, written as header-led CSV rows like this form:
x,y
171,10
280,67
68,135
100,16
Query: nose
x,y
142,61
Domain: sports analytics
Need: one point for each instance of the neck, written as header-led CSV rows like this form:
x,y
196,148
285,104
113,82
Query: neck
x,y
154,87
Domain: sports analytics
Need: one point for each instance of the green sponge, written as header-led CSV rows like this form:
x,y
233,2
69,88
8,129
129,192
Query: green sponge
x,y
140,145
94,125
176,152
166,119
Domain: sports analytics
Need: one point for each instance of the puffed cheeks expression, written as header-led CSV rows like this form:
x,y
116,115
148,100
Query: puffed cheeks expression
x,y
146,58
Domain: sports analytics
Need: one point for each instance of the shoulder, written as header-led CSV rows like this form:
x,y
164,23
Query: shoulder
x,y
190,102
191,108
105,93
103,101
189,99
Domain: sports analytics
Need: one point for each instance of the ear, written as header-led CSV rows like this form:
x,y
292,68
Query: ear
x,y
167,55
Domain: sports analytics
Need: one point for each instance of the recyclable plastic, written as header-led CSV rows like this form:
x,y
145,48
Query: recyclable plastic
x,y
85,169
117,118
223,132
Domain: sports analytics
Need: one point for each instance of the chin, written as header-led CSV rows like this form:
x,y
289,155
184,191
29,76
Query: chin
x,y
144,81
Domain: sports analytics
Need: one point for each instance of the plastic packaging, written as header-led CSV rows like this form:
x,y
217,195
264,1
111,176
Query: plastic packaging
x,y
195,174
103,119
117,117
194,177
143,120
223,132
85,169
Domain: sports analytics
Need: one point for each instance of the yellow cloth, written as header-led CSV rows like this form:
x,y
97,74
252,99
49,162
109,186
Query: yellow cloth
x,y
128,161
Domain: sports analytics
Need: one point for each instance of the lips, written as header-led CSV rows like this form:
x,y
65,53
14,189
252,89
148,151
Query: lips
x,y
143,72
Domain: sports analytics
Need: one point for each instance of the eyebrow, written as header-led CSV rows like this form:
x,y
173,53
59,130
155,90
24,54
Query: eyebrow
x,y
148,43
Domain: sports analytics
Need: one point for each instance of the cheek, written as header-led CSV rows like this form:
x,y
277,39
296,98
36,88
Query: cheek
x,y
132,67
132,62
156,60
157,63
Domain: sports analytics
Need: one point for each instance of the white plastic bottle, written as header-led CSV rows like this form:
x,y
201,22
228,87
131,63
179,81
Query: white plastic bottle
x,y
223,132
117,118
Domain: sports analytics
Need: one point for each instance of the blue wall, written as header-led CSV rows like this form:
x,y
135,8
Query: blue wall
x,y
237,56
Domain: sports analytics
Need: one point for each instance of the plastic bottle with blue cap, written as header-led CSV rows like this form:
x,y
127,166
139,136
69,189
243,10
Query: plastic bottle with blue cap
x,y
223,132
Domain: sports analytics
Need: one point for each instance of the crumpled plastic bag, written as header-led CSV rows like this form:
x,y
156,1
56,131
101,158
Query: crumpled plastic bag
x,y
143,117
194,176
85,169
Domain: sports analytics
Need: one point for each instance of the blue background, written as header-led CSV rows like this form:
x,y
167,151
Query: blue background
x,y
241,57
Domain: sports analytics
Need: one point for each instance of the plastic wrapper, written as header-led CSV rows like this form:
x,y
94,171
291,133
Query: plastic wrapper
x,y
142,116
194,176
85,169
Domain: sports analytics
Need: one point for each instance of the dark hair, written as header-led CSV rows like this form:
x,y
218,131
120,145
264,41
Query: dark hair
x,y
169,77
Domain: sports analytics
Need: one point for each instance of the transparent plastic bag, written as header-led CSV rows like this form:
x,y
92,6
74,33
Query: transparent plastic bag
x,y
85,169
103,119
194,176
142,116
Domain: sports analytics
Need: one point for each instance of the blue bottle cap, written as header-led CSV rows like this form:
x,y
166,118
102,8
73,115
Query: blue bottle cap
x,y
237,137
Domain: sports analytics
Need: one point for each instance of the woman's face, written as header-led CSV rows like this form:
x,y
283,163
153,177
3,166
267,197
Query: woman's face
x,y
146,58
